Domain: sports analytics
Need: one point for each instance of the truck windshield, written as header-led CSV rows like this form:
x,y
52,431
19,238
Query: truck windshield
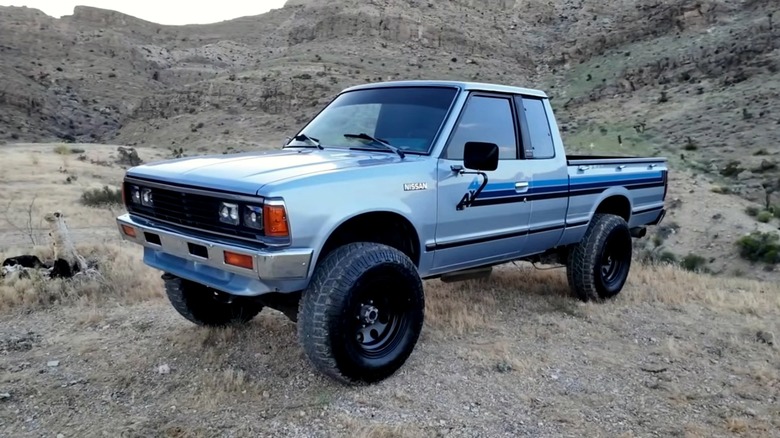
x,y
407,118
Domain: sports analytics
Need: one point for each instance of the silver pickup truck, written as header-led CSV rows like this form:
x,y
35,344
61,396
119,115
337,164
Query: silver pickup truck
x,y
389,184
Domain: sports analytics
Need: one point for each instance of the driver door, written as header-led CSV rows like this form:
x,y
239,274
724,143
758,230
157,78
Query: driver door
x,y
475,229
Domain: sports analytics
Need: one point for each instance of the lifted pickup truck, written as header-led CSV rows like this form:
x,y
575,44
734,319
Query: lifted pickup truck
x,y
389,184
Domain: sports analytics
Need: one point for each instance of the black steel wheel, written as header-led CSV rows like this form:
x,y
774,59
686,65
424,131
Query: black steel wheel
x,y
380,314
614,261
362,313
599,265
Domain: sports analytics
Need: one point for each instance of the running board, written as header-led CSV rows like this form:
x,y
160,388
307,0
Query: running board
x,y
466,274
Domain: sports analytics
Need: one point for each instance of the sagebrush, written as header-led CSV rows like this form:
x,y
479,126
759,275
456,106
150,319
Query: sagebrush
x,y
102,197
760,247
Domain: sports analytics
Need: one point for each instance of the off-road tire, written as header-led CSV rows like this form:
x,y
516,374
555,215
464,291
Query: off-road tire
x,y
590,276
198,304
351,279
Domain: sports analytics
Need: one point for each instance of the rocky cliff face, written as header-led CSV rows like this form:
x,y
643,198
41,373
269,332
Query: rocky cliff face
x,y
679,70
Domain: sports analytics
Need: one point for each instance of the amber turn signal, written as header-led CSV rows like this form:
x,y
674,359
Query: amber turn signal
x,y
240,260
275,221
128,230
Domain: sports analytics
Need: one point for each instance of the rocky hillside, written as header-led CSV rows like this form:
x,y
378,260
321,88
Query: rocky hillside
x,y
694,80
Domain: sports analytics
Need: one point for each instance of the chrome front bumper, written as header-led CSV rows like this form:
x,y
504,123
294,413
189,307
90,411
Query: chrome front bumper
x,y
268,265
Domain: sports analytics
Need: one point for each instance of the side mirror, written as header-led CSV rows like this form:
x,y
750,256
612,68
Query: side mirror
x,y
480,156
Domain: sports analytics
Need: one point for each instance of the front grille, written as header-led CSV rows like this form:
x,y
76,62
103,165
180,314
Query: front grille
x,y
187,209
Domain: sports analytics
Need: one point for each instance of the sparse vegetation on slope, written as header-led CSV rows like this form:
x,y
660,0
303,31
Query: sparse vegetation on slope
x,y
760,247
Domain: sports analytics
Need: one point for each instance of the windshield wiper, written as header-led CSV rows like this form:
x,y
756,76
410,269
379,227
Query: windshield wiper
x,y
365,136
314,142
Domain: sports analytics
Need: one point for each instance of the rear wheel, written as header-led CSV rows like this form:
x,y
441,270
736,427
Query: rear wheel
x,y
362,313
205,306
598,266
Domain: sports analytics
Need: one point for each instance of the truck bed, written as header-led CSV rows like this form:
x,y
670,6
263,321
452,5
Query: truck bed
x,y
579,160
641,180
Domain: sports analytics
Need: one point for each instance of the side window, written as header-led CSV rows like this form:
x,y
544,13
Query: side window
x,y
485,119
538,130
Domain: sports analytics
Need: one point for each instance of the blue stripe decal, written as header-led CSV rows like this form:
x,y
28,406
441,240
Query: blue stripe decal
x,y
597,179
594,185
503,189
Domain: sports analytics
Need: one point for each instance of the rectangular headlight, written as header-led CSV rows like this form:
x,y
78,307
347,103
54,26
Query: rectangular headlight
x,y
253,217
228,213
135,194
146,197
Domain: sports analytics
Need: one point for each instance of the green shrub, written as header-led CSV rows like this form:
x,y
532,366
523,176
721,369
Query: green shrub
x,y
760,247
693,262
101,197
667,257
765,216
64,150
752,211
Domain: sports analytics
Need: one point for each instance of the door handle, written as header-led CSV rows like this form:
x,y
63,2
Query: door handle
x,y
521,186
583,168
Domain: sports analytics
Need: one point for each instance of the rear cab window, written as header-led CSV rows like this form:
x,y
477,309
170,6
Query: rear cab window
x,y
539,144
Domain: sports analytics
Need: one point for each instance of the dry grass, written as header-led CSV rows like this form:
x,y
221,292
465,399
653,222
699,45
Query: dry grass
x,y
461,307
679,287
35,180
123,277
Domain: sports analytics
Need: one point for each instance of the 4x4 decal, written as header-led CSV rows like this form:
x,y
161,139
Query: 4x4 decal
x,y
475,188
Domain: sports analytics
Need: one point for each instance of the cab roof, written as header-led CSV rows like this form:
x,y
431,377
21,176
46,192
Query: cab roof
x,y
465,86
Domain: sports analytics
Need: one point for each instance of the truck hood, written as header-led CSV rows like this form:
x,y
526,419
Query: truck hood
x,y
247,173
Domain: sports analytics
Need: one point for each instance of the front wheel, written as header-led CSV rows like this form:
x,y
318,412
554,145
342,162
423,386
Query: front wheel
x,y
597,267
205,306
361,316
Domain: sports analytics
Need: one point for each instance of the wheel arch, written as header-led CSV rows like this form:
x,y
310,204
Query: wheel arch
x,y
378,226
618,204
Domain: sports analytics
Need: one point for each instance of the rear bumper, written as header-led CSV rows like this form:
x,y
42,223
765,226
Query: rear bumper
x,y
202,260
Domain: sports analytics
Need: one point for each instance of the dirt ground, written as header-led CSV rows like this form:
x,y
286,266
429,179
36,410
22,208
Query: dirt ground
x,y
676,355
